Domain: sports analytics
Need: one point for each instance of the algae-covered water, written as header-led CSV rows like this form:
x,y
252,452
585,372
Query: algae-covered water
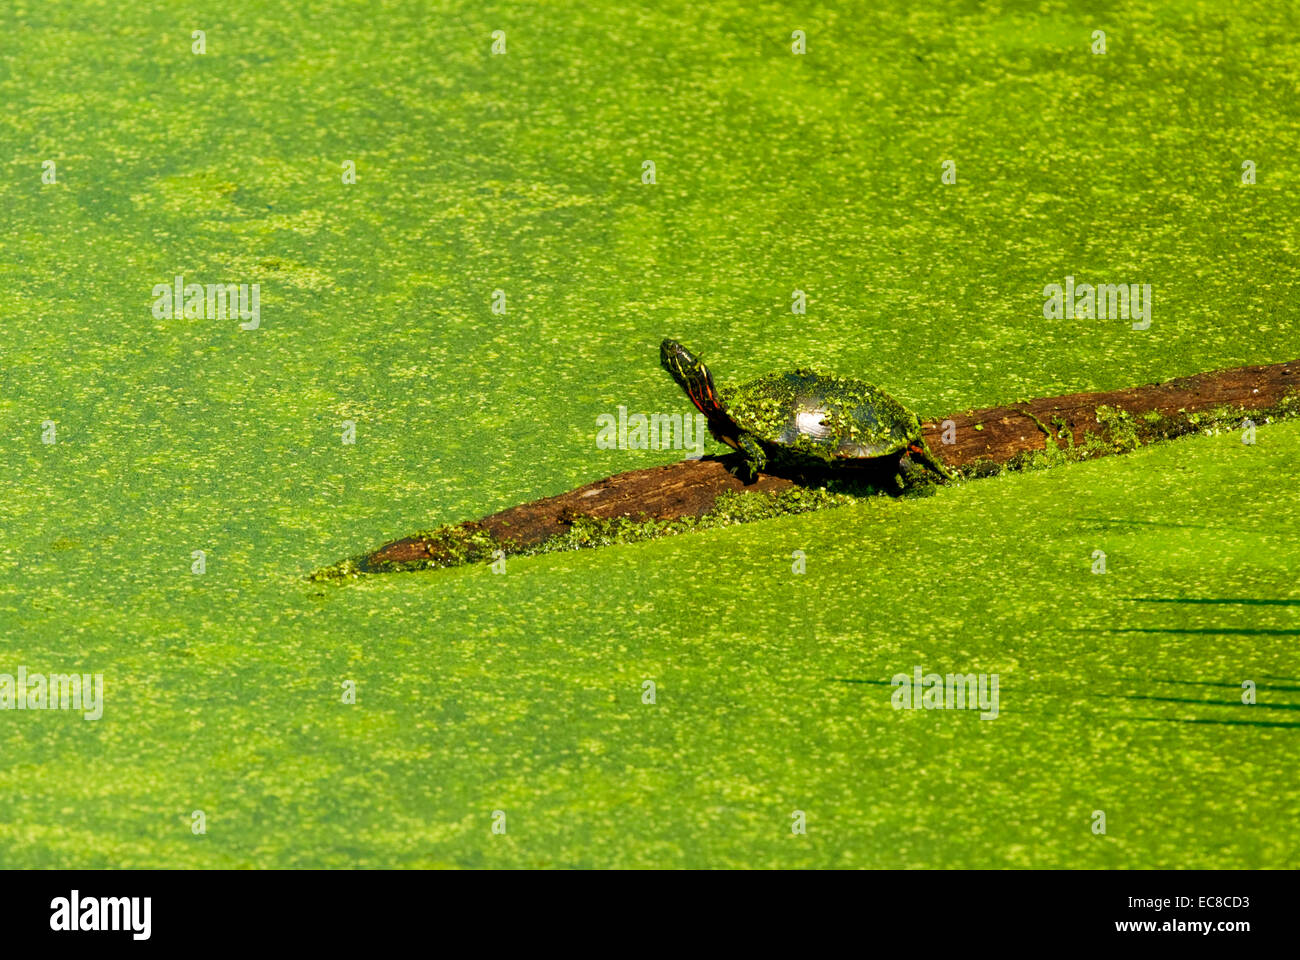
x,y
517,701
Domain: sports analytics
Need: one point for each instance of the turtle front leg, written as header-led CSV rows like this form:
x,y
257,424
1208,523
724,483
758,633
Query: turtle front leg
x,y
921,453
755,458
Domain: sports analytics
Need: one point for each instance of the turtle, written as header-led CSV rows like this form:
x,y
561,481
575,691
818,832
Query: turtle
x,y
803,420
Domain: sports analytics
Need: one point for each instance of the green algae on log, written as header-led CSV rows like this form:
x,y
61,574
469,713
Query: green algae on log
x,y
664,493
992,439
698,494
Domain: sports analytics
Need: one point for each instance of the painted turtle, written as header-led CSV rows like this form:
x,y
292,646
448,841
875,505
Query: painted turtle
x,y
803,419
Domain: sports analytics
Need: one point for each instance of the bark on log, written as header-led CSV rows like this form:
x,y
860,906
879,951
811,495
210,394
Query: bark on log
x,y
984,439
1005,432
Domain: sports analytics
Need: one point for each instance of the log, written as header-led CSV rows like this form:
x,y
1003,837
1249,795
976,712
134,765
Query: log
x,y
999,434
1076,426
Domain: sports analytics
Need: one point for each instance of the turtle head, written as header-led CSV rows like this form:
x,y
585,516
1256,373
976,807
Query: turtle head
x,y
692,376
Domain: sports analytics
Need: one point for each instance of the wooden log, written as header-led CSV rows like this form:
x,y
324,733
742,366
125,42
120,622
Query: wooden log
x,y
671,491
984,441
999,434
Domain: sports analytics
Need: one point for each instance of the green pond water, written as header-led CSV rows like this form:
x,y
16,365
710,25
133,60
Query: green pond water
x,y
522,693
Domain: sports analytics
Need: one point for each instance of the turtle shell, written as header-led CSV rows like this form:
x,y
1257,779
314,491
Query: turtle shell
x,y
830,418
